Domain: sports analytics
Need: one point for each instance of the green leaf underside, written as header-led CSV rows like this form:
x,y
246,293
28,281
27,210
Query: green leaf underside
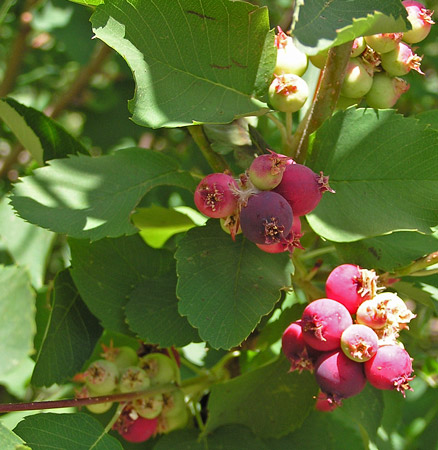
x,y
9,440
230,437
106,272
383,167
271,389
152,313
324,23
65,432
41,136
17,317
389,252
70,338
225,287
94,197
194,61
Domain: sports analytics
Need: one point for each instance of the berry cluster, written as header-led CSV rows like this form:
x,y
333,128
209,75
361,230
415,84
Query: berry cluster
x,y
378,61
266,203
351,337
122,371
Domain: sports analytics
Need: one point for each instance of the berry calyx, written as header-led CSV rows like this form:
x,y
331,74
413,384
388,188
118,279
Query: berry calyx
x,y
359,342
289,58
266,171
288,93
149,407
214,195
231,225
401,60
420,19
385,91
267,218
133,379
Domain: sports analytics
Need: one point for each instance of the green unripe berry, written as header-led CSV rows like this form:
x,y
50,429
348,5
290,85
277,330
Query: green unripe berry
x,y
99,408
159,368
385,91
101,377
133,379
288,93
289,58
358,79
149,407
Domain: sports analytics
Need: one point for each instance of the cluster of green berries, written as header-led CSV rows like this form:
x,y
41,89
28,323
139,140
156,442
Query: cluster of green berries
x,y
121,370
378,61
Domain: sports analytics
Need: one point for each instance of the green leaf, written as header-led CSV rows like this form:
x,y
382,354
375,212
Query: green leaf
x,y
429,118
41,136
226,287
422,294
94,197
230,437
17,317
323,24
88,2
389,252
107,272
10,441
65,432
285,399
70,338
152,313
28,245
383,167
194,61
158,224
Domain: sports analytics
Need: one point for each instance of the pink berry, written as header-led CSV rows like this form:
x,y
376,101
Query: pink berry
x,y
302,188
390,368
401,60
267,218
358,79
350,285
385,91
288,93
359,342
420,19
338,376
323,323
383,42
214,195
266,171
295,349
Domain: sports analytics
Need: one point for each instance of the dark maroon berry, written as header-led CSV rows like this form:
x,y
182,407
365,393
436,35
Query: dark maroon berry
x,y
390,368
267,218
323,323
302,188
338,376
291,242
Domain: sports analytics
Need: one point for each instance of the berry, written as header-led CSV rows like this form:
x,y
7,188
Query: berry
x,y
101,377
385,91
372,314
266,219
214,195
133,379
96,408
323,322
133,427
359,45
338,376
383,42
358,79
231,225
420,19
302,188
159,368
350,285
175,414
122,357
149,407
289,58
390,368
359,342
326,403
319,59
288,93
291,242
401,60
266,171
295,349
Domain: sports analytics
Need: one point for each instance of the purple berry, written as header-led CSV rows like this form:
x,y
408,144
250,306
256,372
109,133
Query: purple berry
x,y
214,195
338,376
302,188
390,368
267,218
323,323
359,342
266,171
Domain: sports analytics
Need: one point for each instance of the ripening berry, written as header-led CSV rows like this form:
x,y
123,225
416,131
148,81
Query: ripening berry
x,y
302,188
401,60
358,79
288,93
372,314
390,368
420,19
359,342
214,195
267,218
266,171
323,322
385,91
133,427
383,42
289,58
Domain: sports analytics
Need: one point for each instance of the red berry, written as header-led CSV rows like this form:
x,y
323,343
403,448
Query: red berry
x,y
326,403
339,376
266,171
420,19
266,219
350,285
323,323
214,195
359,342
302,188
390,368
133,427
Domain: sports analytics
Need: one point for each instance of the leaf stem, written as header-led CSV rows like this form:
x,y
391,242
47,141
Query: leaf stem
x,y
216,162
416,268
325,100
289,134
